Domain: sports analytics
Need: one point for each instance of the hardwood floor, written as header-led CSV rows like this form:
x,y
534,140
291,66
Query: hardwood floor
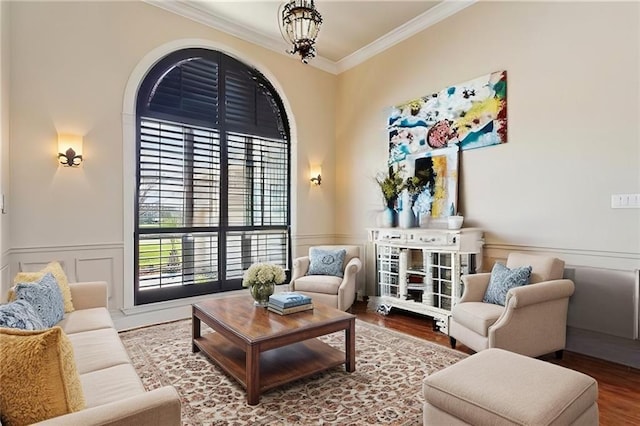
x,y
618,385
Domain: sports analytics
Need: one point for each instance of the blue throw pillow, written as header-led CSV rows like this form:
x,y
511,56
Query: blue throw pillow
x,y
502,280
326,262
20,314
45,297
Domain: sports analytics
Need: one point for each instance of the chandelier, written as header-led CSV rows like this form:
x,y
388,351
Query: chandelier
x,y
300,25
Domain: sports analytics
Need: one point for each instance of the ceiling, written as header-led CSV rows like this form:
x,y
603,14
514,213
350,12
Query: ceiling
x,y
351,32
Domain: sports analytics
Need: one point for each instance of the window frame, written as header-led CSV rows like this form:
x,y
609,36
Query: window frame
x,y
223,283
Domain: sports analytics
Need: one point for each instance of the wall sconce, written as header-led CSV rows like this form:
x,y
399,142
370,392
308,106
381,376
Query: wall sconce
x,y
316,177
70,150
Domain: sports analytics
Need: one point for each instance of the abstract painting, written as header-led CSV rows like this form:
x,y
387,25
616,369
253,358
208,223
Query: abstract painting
x,y
469,115
439,167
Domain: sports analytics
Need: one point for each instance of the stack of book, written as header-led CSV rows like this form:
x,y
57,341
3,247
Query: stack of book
x,y
289,302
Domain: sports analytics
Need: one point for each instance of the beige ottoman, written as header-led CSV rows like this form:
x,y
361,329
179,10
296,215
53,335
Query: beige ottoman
x,y
497,387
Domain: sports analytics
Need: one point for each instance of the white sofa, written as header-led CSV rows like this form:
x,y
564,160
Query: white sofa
x,y
113,392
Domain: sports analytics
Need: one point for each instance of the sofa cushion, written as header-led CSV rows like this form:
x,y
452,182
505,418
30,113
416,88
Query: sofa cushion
x,y
495,386
318,284
44,295
86,320
502,280
110,384
20,314
477,316
38,375
61,280
326,262
98,349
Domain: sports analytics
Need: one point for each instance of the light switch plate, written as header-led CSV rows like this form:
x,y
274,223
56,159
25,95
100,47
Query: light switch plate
x,y
625,201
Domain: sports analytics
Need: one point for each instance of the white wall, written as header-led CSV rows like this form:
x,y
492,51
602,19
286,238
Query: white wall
x,y
573,135
70,63
4,142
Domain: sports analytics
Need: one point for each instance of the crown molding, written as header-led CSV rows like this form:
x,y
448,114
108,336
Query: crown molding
x,y
421,22
191,10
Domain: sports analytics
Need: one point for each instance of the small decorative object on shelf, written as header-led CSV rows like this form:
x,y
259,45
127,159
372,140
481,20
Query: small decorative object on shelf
x,y
455,222
289,303
261,279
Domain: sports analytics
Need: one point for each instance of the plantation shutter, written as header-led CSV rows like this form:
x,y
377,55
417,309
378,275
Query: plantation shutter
x,y
213,176
189,89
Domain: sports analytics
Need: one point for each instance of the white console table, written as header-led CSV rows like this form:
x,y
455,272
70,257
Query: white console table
x,y
419,269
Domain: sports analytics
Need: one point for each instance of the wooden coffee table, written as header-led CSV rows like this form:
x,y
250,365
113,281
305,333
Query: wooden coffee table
x,y
263,350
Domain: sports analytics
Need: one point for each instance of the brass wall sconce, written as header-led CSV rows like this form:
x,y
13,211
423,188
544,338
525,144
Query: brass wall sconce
x,y
316,180
70,150
315,173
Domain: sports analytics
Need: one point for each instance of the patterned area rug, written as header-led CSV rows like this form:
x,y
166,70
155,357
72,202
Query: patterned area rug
x,y
386,387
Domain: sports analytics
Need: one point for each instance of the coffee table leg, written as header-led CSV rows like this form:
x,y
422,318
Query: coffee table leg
x,y
253,374
350,346
195,333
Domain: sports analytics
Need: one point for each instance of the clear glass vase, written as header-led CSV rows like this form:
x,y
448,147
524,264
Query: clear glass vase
x,y
261,293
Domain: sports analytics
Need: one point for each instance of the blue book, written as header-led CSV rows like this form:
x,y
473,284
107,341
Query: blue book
x,y
288,299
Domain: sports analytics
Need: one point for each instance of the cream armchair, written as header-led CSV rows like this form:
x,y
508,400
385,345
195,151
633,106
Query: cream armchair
x,y
533,321
337,292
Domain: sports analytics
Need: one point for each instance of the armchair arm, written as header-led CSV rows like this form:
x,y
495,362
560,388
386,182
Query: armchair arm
x,y
158,407
347,289
353,267
534,321
86,295
520,297
300,268
475,286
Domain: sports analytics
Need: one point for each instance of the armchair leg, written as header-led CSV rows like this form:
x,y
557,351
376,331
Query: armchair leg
x,y
452,342
559,354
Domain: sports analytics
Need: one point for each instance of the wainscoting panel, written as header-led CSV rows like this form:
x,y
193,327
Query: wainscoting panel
x,y
92,262
5,278
37,265
301,243
95,269
604,301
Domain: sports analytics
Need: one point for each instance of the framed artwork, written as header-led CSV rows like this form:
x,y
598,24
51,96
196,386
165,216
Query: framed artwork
x,y
468,115
438,173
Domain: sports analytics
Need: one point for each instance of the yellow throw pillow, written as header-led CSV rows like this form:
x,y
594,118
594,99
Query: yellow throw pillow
x,y
57,272
38,375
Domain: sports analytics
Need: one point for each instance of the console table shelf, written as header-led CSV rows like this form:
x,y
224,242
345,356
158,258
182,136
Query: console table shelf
x,y
419,269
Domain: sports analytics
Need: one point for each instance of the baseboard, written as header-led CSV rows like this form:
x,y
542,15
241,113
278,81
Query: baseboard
x,y
604,346
126,322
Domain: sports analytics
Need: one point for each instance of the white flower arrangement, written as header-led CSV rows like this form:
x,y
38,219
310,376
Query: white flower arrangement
x,y
423,202
263,273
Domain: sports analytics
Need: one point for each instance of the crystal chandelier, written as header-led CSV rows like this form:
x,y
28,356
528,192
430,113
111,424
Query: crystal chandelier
x,y
300,25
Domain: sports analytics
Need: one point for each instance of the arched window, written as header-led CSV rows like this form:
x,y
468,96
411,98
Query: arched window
x,y
213,176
